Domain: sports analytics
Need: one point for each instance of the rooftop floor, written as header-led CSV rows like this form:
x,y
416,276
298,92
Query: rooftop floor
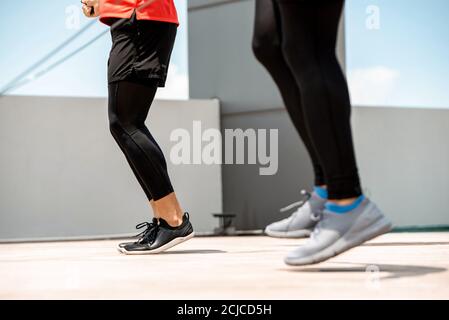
x,y
398,265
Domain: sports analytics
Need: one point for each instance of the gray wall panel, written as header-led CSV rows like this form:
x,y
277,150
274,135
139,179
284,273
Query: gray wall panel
x,y
62,175
257,198
221,60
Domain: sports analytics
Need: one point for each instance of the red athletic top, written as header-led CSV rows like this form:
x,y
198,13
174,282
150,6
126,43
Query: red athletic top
x,y
159,10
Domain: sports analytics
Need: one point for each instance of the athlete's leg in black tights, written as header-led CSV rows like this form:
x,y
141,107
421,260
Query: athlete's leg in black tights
x,y
309,34
129,103
267,47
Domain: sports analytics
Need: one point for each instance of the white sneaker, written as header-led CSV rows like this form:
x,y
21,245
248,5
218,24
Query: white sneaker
x,y
301,223
336,233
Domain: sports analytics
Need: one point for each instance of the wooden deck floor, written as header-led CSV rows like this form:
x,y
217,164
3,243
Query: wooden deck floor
x,y
400,265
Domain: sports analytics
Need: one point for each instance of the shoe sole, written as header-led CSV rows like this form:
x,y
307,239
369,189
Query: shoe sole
x,y
289,234
120,248
163,248
377,228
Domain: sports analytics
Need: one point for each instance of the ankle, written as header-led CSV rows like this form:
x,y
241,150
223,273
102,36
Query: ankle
x,y
175,222
343,202
321,191
344,205
174,219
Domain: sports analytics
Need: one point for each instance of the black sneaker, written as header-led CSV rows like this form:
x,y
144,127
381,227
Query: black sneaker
x,y
161,238
144,233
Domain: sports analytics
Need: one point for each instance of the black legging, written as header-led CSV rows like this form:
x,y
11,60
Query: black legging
x,y
295,40
129,103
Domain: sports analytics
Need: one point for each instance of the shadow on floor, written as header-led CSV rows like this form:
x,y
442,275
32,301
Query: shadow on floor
x,y
395,270
429,243
384,244
199,251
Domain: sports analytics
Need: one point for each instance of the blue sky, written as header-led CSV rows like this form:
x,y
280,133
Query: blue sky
x,y
28,37
402,63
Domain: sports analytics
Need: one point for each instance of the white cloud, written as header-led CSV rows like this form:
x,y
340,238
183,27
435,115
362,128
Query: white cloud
x,y
372,86
176,87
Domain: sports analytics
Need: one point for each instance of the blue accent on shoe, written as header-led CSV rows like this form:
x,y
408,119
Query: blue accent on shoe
x,y
335,208
321,192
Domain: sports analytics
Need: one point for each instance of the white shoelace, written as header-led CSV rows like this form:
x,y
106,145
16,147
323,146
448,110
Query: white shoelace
x,y
299,204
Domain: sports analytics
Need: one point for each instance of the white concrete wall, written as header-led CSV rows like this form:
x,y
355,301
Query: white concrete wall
x,y
62,175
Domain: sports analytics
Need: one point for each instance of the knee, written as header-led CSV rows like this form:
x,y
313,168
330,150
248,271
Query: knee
x,y
294,55
122,130
301,60
266,49
115,127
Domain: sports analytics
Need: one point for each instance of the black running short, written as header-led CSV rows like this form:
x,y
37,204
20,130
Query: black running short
x,y
141,50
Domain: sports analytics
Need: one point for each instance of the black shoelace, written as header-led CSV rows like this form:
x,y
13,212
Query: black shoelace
x,y
150,233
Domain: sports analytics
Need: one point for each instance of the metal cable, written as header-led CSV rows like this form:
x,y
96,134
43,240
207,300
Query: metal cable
x,y
16,83
37,64
52,66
